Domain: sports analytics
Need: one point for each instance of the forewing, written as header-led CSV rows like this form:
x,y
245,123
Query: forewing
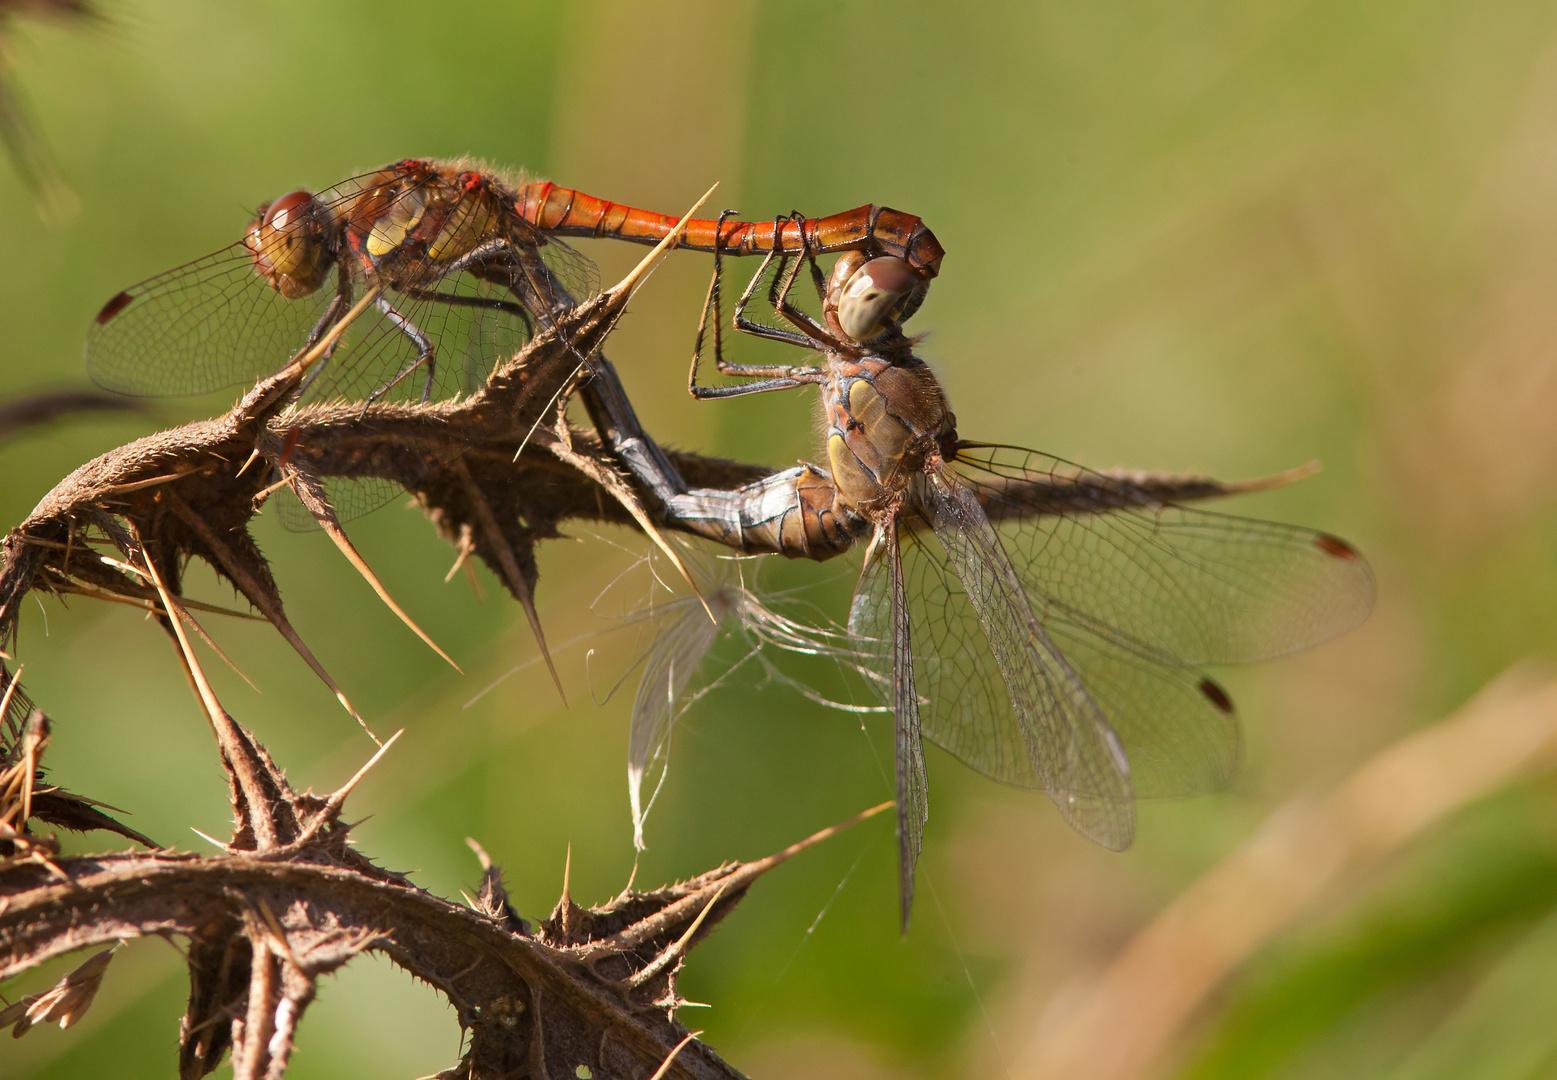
x,y
442,322
437,330
572,275
1076,756
881,613
204,326
966,710
471,318
215,322
1108,554
993,687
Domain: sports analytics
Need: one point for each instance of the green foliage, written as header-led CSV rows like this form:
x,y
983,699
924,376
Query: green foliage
x,y
1219,236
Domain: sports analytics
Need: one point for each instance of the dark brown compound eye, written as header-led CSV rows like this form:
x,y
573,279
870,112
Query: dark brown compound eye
x,y
287,243
288,210
873,298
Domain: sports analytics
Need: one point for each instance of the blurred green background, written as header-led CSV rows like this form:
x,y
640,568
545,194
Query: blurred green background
x,y
1226,237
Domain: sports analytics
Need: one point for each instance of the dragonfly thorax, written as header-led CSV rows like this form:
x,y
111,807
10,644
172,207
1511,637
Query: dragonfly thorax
x,y
884,419
416,217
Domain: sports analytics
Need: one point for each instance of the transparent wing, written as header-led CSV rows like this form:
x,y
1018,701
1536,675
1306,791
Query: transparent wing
x,y
994,689
370,465
1111,555
1075,755
881,614
1177,726
682,639
207,325
350,498
672,635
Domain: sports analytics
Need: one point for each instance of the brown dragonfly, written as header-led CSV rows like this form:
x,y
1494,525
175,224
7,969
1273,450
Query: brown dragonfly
x,y
1045,623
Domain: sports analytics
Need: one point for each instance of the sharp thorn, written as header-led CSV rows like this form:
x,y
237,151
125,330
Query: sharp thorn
x,y
336,534
636,275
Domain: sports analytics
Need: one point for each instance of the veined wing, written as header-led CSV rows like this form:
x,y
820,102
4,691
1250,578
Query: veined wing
x,y
994,688
1177,725
673,635
1114,556
881,615
203,326
683,635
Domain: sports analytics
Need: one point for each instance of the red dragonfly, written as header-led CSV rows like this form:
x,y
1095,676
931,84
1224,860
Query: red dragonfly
x,y
1045,623
457,279
463,266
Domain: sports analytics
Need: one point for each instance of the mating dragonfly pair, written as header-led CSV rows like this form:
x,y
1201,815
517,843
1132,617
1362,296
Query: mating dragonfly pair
x,y
1046,624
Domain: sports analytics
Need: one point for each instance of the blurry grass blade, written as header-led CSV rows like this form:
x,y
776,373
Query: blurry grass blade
x,y
1124,1024
1503,1030
56,204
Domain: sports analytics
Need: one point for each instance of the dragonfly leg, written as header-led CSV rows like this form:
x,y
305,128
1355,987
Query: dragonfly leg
x,y
338,306
424,348
817,277
777,377
490,303
519,268
711,304
513,266
704,393
482,253
774,377
778,297
757,329
812,333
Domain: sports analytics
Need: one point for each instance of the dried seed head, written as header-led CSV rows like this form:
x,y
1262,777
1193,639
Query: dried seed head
x,y
64,1003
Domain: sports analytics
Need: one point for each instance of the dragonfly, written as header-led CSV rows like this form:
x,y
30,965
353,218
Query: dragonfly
x,y
463,264
1047,624
456,277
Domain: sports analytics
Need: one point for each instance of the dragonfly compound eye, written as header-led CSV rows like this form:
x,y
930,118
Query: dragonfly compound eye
x,y
874,297
287,244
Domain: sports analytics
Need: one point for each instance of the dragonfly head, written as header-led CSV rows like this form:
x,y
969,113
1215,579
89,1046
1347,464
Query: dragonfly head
x,y
870,296
287,244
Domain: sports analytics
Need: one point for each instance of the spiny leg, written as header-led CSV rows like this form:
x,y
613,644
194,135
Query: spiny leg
x,y
338,306
424,348
774,377
757,329
778,296
489,303
818,279
711,302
